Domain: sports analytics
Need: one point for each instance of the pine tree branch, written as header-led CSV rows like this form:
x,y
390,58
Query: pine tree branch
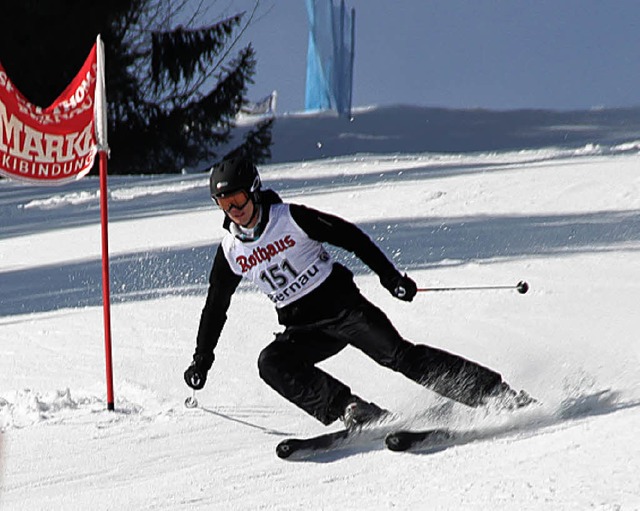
x,y
177,55
235,41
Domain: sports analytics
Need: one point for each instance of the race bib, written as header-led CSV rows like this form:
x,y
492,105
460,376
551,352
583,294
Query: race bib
x,y
284,262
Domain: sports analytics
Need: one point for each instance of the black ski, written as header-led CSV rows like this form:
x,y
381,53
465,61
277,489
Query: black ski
x,y
394,440
405,440
301,448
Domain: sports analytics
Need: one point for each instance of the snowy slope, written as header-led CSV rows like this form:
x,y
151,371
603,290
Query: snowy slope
x,y
565,220
411,129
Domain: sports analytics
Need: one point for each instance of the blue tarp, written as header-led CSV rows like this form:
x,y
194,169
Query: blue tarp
x,y
330,56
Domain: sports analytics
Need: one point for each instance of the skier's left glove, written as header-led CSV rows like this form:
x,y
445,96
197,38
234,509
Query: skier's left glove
x,y
400,286
196,374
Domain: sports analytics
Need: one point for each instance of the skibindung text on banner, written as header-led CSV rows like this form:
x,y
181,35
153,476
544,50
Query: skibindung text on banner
x,y
50,145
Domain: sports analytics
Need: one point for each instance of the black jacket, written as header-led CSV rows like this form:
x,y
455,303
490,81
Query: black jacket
x,y
335,294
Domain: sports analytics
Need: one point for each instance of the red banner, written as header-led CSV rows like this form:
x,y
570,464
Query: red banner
x,y
49,145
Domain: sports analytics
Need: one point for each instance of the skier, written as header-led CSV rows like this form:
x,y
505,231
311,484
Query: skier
x,y
279,247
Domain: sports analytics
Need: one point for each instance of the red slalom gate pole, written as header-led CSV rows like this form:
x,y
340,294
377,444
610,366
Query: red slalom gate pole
x,y
106,294
100,115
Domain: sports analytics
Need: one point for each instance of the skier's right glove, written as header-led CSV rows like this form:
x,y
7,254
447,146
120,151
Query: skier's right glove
x,y
196,373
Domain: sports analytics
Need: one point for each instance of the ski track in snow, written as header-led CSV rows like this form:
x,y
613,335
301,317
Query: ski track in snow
x,y
564,220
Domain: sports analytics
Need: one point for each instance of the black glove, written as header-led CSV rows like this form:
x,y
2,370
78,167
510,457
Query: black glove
x,y
196,373
400,286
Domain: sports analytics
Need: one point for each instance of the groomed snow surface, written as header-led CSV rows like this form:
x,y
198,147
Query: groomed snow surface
x,y
566,221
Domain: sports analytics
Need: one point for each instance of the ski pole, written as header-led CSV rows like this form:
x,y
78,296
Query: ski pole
x,y
522,287
191,401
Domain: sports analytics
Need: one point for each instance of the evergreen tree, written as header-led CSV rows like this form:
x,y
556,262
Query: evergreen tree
x,y
164,113
44,44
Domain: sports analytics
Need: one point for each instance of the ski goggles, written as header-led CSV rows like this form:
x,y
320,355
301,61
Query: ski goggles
x,y
238,199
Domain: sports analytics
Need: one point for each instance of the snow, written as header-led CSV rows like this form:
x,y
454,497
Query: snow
x,y
565,219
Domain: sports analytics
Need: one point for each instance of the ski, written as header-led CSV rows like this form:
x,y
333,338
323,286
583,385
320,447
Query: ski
x,y
394,439
405,440
301,448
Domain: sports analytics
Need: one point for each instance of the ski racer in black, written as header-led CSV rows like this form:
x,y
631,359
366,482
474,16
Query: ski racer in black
x,y
280,248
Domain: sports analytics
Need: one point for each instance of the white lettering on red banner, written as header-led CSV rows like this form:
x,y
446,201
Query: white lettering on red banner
x,y
49,145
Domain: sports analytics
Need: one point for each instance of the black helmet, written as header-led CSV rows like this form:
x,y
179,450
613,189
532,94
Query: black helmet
x,y
232,175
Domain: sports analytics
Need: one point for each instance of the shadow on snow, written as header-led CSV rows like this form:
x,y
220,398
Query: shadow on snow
x,y
415,243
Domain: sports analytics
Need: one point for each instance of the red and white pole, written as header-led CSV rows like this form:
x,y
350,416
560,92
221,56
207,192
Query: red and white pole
x,y
103,150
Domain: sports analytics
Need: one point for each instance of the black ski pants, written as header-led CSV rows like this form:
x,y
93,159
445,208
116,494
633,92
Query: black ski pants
x,y
288,364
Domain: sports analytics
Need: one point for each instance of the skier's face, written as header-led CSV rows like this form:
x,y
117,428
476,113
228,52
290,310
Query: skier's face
x,y
239,207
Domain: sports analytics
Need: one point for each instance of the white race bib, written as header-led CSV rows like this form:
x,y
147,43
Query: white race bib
x,y
283,262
